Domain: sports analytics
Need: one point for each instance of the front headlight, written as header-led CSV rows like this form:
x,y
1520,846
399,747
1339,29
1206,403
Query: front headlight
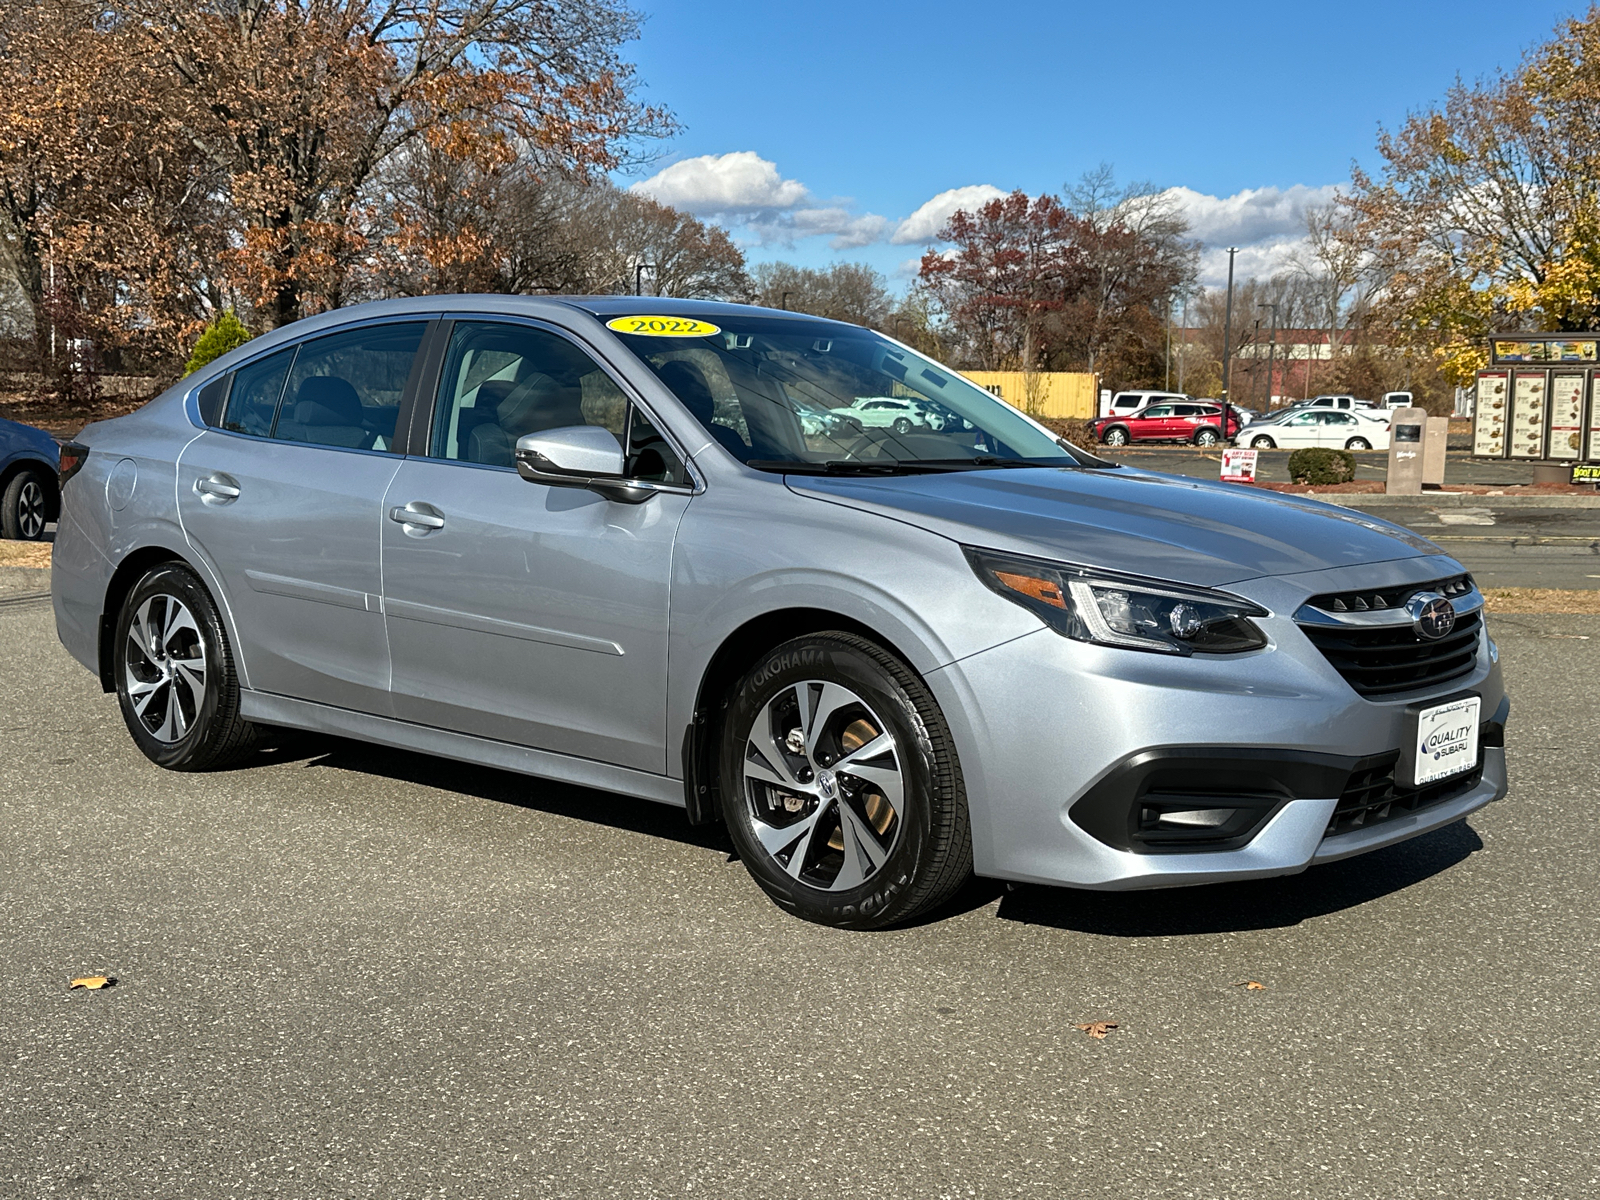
x,y
1122,610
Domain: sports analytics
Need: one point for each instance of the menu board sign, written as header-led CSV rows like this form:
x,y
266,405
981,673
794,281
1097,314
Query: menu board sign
x,y
1566,415
1527,415
1544,351
1593,451
1489,429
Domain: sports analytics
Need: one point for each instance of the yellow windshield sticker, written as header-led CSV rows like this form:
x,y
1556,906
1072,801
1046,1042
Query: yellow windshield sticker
x,y
663,326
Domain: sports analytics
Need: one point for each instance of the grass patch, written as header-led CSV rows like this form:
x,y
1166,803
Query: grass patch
x,y
24,554
1584,601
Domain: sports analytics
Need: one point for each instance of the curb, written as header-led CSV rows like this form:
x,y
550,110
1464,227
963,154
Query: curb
x,y
1452,500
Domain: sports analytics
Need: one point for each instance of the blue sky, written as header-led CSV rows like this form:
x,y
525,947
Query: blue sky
x,y
845,119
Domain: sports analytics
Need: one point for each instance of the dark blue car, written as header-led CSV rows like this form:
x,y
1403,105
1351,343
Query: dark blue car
x,y
29,462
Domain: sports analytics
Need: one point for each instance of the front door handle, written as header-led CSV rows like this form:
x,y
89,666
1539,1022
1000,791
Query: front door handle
x,y
217,488
418,518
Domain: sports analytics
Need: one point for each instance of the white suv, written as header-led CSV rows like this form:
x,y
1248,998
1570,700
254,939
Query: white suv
x,y
1126,403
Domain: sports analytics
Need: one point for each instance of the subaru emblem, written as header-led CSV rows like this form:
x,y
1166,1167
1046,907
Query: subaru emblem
x,y
1432,616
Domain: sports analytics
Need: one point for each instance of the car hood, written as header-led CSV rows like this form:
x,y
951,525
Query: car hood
x,y
1170,527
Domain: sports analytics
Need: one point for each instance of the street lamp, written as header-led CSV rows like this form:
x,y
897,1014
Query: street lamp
x,y
638,276
1227,336
1272,350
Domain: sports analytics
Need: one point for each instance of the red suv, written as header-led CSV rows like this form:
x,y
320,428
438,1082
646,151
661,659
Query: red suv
x,y
1169,421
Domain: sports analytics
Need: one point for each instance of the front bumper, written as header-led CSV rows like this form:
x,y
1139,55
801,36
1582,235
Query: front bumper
x,y
1042,722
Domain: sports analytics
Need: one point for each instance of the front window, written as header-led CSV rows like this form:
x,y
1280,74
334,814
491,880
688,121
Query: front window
x,y
863,398
502,381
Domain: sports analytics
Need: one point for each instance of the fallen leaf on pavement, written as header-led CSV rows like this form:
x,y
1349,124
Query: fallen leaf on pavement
x,y
92,983
1097,1029
1250,985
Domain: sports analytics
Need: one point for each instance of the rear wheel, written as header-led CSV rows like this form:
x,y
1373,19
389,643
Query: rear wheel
x,y
841,787
1358,444
902,426
1263,443
174,674
24,506
1116,436
1207,437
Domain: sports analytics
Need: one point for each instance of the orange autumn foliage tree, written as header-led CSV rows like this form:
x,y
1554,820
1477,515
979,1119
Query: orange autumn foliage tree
x,y
164,160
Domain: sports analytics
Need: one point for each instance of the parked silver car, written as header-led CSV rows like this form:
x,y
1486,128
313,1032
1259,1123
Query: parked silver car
x,y
589,540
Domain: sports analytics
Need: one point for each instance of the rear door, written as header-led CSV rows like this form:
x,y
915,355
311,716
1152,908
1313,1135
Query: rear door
x,y
285,498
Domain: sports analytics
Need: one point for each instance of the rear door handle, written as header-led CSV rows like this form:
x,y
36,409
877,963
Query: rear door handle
x,y
217,488
417,516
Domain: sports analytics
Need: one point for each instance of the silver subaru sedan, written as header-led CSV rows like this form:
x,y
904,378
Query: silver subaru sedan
x,y
596,540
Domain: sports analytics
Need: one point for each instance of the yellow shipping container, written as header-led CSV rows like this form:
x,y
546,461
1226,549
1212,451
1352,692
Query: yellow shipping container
x,y
1062,394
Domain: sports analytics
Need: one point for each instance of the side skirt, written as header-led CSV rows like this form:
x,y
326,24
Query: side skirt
x,y
266,709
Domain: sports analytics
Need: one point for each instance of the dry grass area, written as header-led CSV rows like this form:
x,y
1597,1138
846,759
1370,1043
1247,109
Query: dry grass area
x,y
24,554
1584,601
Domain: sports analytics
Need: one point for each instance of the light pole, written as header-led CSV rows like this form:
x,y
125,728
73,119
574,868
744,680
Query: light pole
x,y
1255,346
638,276
784,303
1227,335
1183,346
1272,350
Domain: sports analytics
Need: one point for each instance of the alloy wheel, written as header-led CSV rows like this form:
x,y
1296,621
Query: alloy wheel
x,y
30,510
1206,437
1116,438
166,668
823,785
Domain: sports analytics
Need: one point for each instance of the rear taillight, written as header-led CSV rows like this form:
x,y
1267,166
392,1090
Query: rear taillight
x,y
73,456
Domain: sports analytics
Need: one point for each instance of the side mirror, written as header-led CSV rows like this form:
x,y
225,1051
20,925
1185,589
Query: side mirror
x,y
580,456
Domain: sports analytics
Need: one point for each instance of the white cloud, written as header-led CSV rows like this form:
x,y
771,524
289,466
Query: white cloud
x,y
1266,224
924,224
741,181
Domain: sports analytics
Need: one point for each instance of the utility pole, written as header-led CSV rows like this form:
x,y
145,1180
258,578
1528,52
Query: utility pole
x,y
638,275
1272,350
1183,347
1255,360
784,303
1167,385
1227,334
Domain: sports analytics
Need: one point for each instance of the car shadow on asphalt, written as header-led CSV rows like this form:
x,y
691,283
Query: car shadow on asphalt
x,y
1236,907
613,810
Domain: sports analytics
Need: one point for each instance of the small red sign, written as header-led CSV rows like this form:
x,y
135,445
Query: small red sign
x,y
1239,466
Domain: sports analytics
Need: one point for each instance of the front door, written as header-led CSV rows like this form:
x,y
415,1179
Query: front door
x,y
285,502
516,611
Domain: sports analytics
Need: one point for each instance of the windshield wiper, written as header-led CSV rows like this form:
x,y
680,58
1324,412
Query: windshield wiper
x,y
845,467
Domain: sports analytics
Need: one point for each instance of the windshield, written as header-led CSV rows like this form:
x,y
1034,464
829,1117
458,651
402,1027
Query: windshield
x,y
794,394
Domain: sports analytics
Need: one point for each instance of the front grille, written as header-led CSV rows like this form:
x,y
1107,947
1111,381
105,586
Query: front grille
x,y
1375,599
1371,797
1380,660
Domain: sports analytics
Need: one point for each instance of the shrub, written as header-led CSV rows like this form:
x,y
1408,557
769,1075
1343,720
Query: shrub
x,y
226,333
1074,431
1321,465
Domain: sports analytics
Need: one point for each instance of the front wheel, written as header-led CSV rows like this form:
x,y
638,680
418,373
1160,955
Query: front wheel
x,y
1358,444
840,784
1116,437
1263,443
1207,437
24,507
174,674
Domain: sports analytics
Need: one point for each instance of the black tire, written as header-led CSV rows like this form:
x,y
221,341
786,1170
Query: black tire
x,y
928,854
207,730
1358,444
25,506
1116,436
1207,437
902,425
1263,443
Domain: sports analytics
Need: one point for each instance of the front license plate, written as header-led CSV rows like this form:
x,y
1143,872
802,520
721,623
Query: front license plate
x,y
1444,741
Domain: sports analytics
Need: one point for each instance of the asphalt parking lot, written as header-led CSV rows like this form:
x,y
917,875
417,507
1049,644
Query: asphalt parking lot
x,y
347,972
